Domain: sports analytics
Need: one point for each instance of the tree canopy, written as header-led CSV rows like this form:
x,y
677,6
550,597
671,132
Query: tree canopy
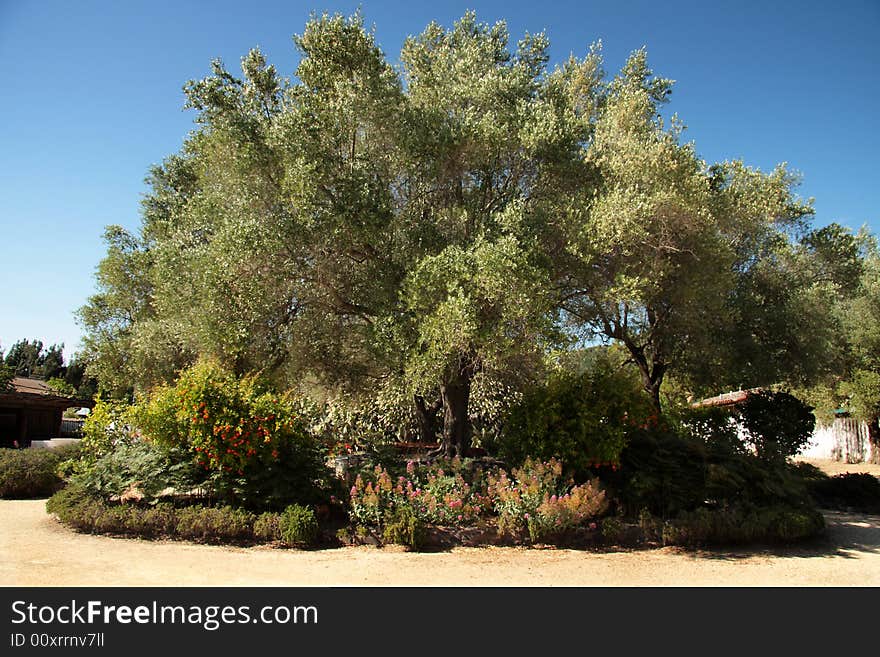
x,y
418,229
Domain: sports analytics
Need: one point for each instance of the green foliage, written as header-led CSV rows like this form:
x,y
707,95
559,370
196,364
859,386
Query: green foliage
x,y
139,467
455,217
778,425
858,491
7,373
77,507
299,526
29,472
612,529
106,426
364,423
582,419
714,426
667,471
31,359
267,527
61,386
725,526
252,444
660,471
404,527
214,524
74,506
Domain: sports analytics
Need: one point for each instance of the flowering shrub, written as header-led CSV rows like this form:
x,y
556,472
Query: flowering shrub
x,y
435,495
536,499
253,444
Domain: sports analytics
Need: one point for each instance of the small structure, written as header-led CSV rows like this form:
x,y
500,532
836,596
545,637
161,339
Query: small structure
x,y
845,439
32,410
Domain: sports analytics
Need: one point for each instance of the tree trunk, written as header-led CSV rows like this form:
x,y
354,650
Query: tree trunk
x,y
456,393
652,376
653,390
426,417
874,439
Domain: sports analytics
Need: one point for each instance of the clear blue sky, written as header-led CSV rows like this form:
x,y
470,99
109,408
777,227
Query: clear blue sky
x,y
91,97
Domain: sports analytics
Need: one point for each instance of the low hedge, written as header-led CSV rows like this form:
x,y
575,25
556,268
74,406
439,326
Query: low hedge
x,y
851,491
28,473
731,526
75,507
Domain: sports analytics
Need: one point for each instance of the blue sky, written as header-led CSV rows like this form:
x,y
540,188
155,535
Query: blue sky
x,y
91,97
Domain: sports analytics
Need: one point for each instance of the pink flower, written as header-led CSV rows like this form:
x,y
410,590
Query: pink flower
x,y
593,525
526,516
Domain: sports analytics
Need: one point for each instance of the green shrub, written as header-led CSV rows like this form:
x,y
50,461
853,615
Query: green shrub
x,y
612,528
669,471
267,527
299,525
138,465
713,426
580,419
77,507
660,471
778,425
738,525
29,472
67,499
253,446
858,491
107,425
404,528
157,520
214,524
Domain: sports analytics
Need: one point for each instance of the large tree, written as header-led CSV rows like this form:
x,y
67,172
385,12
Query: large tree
x,y
366,228
659,253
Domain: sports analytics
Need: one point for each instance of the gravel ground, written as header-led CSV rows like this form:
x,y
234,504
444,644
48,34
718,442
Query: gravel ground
x,y
35,550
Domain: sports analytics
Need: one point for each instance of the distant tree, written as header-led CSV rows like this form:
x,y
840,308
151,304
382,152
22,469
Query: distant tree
x,y
854,382
86,386
30,358
6,376
24,357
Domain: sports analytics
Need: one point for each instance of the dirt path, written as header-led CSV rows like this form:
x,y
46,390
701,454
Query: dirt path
x,y
35,550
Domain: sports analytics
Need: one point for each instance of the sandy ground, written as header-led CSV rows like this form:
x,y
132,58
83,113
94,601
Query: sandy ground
x,y
837,467
35,550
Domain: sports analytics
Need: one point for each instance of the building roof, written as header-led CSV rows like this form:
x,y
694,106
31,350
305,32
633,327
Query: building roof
x,y
35,392
32,386
727,399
